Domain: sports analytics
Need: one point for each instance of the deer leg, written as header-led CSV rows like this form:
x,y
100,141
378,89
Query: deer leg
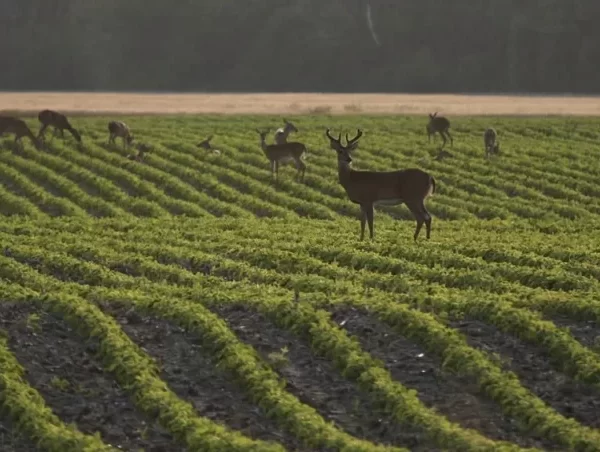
x,y
416,211
450,136
366,215
42,130
301,169
363,221
443,138
427,218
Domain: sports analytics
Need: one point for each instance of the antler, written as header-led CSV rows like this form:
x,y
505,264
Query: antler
x,y
331,138
353,140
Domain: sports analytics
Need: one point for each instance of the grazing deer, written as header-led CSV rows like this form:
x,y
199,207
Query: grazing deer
x,y
490,141
281,134
206,145
18,127
143,149
119,129
440,125
368,188
59,122
284,153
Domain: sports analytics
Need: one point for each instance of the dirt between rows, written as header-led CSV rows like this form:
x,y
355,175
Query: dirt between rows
x,y
105,103
11,440
457,398
533,367
62,368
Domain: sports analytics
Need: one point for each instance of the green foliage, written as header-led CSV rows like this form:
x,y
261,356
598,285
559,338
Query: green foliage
x,y
514,243
326,45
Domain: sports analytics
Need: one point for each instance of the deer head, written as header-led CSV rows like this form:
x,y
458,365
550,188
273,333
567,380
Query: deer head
x,y
206,143
289,127
343,152
263,134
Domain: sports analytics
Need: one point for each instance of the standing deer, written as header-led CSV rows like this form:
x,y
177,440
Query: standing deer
x,y
368,188
490,141
440,125
284,153
119,129
18,127
59,122
206,145
281,134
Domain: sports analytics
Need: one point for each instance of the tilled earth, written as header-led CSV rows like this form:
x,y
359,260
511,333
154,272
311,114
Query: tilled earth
x,y
63,369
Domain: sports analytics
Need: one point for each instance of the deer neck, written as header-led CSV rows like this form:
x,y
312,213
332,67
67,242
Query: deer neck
x,y
344,171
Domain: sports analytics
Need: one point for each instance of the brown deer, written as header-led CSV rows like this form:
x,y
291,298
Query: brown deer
x,y
490,141
59,122
19,128
206,145
368,188
143,149
119,129
440,125
282,134
284,153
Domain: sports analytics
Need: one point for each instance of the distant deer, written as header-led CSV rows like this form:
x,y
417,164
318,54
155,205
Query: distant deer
x,y
59,122
143,149
282,134
368,188
284,153
490,141
206,145
119,129
18,127
440,125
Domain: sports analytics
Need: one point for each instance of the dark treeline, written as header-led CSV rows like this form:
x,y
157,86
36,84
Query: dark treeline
x,y
301,45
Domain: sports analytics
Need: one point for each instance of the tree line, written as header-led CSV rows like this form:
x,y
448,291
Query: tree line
x,y
545,46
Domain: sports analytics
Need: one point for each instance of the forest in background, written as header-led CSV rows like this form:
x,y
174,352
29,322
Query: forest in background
x,y
544,46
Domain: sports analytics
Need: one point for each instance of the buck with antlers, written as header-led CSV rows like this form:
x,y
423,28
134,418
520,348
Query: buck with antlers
x,y
59,122
490,141
282,134
438,124
284,153
18,127
206,145
119,129
369,188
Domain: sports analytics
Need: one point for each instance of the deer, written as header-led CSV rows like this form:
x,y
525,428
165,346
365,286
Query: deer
x,y
440,125
143,149
490,141
284,153
281,134
119,129
59,122
19,128
206,145
410,186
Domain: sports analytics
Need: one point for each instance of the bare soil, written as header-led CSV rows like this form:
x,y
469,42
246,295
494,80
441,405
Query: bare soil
x,y
100,103
533,367
191,374
62,368
457,398
316,382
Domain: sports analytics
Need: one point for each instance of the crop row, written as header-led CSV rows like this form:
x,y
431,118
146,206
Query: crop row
x,y
178,178
326,339
143,267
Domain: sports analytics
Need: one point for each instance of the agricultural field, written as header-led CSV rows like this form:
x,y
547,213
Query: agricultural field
x,y
189,302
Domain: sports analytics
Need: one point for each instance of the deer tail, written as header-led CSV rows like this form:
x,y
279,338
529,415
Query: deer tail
x,y
431,186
